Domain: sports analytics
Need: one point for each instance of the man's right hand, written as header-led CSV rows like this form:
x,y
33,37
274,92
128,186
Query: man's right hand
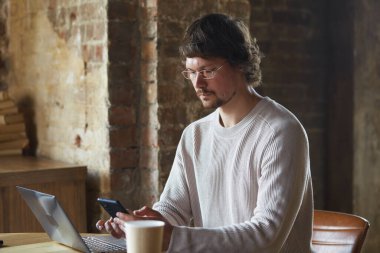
x,y
111,227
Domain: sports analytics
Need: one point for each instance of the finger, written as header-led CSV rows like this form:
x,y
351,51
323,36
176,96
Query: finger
x,y
120,223
141,212
112,228
100,225
124,217
117,232
108,226
146,211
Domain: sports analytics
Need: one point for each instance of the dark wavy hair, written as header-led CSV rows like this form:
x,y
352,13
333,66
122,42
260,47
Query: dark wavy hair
x,y
218,35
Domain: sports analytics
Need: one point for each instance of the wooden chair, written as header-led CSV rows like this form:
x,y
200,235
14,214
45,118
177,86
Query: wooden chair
x,y
338,232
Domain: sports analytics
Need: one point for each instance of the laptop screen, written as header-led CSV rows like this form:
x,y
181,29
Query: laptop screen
x,y
53,218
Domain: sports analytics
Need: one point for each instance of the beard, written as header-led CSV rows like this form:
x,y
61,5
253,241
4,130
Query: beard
x,y
210,100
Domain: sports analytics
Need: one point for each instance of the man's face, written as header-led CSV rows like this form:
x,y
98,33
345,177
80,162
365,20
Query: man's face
x,y
220,89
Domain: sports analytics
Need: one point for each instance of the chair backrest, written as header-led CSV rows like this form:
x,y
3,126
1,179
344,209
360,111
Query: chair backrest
x,y
338,232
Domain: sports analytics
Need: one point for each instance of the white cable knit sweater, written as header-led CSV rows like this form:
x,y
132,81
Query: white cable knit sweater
x,y
247,188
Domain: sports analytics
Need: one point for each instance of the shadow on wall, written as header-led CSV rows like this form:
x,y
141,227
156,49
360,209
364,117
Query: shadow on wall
x,y
26,105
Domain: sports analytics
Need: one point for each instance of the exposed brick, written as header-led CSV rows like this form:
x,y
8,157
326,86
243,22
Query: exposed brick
x,y
257,3
2,28
286,62
292,17
149,180
149,157
121,10
122,116
313,121
262,32
148,71
120,74
150,93
235,7
123,95
148,115
173,28
271,75
149,50
149,23
123,137
149,136
175,114
169,94
127,180
169,136
123,42
260,15
170,48
91,11
171,9
99,31
147,92
166,158
296,48
124,158
172,69
99,53
190,95
151,3
53,4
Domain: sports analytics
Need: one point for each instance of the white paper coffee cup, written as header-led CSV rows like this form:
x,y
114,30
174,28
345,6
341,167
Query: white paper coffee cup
x,y
144,236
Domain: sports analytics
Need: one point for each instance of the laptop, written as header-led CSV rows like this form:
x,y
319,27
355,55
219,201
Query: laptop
x,y
59,227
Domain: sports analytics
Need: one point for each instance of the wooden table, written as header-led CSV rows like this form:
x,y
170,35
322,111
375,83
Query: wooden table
x,y
16,239
32,243
66,181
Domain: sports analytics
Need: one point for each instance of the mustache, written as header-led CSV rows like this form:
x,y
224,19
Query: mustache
x,y
203,92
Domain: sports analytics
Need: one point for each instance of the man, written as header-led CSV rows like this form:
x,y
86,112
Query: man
x,y
241,174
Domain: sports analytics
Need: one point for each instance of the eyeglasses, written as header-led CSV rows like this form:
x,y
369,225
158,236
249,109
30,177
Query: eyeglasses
x,y
205,73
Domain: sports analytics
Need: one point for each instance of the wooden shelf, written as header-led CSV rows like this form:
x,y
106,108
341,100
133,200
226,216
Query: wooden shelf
x,y
66,181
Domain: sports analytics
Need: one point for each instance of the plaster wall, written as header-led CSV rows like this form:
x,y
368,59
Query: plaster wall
x,y
61,84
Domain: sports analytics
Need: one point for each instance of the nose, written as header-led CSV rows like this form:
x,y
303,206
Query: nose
x,y
199,82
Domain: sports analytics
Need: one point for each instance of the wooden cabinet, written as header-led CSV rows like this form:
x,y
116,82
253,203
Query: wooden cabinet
x,y
65,181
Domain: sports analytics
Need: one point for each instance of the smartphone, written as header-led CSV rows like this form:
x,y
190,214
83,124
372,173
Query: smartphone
x,y
112,206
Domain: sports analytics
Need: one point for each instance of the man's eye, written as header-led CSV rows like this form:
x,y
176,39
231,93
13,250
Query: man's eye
x,y
207,73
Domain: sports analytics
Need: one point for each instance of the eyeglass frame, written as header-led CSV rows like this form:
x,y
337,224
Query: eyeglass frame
x,y
212,72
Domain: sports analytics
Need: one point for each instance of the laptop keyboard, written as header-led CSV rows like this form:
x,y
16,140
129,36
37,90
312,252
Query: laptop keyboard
x,y
98,245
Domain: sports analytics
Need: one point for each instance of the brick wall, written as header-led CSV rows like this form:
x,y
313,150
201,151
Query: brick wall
x,y
123,53
292,37
178,104
133,89
100,82
124,90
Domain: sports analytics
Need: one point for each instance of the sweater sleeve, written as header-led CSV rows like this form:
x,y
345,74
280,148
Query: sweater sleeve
x,y
282,181
174,202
